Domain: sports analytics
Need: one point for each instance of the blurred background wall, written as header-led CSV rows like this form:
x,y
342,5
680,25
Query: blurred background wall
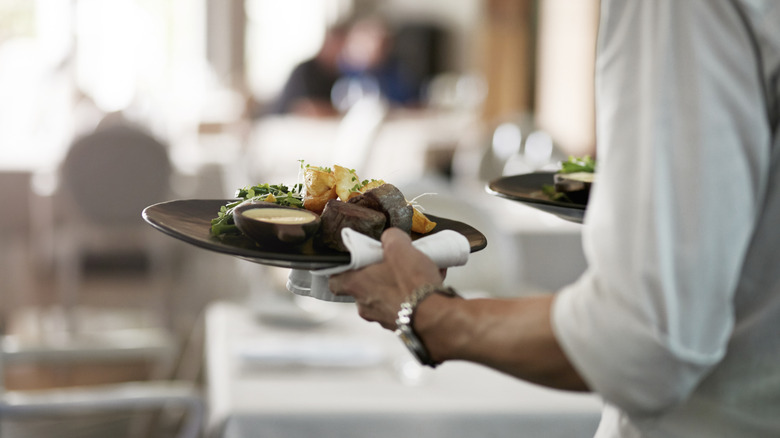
x,y
176,64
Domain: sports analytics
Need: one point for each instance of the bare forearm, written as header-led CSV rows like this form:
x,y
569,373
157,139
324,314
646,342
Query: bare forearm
x,y
513,336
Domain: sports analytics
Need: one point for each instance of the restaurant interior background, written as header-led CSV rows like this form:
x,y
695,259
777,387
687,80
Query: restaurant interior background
x,y
87,298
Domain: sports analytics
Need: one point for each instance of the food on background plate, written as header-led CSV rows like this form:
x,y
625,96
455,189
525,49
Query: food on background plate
x,y
572,183
323,186
575,186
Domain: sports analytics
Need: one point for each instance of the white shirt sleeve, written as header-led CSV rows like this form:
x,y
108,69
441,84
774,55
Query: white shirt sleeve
x,y
682,150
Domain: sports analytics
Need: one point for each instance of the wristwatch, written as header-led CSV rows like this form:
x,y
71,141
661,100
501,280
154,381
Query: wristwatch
x,y
404,329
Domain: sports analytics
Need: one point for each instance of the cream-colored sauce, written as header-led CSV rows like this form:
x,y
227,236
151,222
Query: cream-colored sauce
x,y
280,215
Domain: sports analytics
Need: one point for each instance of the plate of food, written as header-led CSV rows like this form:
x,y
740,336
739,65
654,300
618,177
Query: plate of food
x,y
372,206
563,193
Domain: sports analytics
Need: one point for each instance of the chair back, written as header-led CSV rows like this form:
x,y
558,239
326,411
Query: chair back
x,y
114,172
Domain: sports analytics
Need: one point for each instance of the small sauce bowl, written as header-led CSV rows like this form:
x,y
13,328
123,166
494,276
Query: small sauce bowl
x,y
274,224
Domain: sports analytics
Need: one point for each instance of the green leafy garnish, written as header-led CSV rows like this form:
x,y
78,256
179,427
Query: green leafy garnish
x,y
574,164
307,166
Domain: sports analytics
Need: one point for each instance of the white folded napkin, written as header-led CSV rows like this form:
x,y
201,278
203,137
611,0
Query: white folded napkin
x,y
446,248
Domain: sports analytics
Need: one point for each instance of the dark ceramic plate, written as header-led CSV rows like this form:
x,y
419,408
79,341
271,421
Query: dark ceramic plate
x,y
189,220
527,188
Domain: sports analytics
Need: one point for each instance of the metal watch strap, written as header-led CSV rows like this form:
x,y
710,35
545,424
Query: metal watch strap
x,y
405,330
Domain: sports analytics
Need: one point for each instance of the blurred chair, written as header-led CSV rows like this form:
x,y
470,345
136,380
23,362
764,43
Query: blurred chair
x,y
125,409
15,256
105,181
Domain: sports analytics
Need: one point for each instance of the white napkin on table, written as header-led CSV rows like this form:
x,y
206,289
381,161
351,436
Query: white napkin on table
x,y
446,248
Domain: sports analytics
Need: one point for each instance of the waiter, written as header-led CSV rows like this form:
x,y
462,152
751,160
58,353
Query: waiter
x,y
676,321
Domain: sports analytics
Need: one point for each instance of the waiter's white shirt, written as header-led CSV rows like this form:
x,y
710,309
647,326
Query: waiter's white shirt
x,y
676,322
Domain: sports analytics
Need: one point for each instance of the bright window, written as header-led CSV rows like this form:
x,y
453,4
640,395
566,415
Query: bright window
x,y
57,58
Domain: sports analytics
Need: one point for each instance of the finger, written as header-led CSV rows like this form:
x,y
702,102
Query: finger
x,y
397,245
334,283
341,284
395,236
359,283
410,265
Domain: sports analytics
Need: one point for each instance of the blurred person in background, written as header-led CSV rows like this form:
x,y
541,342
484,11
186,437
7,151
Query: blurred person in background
x,y
369,62
307,91
676,321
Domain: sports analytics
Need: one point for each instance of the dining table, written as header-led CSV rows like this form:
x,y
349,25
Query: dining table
x,y
289,366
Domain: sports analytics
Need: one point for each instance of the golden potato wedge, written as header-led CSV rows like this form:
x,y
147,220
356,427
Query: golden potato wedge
x,y
318,181
420,223
317,203
347,182
371,185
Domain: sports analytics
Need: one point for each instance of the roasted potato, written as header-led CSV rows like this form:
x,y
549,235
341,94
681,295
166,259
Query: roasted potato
x,y
371,185
320,188
323,184
318,180
317,203
347,182
420,223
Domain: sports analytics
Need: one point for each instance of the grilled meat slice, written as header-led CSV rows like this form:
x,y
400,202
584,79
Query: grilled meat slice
x,y
388,200
338,215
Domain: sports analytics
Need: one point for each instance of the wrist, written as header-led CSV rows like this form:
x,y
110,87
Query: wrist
x,y
439,324
408,316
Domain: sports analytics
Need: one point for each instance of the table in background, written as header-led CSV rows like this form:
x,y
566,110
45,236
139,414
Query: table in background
x,y
388,396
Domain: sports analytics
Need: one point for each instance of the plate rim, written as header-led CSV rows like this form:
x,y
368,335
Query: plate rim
x,y
491,187
568,211
285,260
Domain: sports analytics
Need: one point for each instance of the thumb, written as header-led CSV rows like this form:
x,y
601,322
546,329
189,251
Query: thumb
x,y
408,263
396,244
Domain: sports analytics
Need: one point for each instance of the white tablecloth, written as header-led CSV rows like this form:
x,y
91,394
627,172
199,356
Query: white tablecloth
x,y
268,381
